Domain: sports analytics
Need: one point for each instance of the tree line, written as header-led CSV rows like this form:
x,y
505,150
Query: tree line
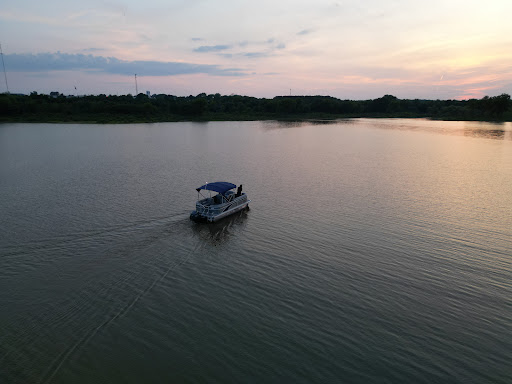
x,y
162,107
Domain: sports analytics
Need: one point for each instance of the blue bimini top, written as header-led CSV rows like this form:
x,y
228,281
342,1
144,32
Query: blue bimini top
x,y
219,186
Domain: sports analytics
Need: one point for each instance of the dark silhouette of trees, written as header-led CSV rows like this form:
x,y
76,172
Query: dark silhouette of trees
x,y
495,106
126,108
386,104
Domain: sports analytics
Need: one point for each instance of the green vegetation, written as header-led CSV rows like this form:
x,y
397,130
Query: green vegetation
x,y
129,109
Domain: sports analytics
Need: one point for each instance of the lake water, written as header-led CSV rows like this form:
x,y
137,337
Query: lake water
x,y
375,251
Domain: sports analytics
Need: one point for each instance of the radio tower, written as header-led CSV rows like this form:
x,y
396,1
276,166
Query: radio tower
x,y
3,64
136,88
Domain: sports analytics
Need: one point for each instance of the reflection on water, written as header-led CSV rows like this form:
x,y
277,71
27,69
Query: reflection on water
x,y
273,125
323,122
486,133
222,230
477,129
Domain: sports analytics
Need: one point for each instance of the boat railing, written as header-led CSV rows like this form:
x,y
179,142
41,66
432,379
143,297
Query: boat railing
x,y
209,209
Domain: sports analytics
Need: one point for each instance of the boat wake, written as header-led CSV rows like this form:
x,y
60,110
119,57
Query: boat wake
x,y
59,361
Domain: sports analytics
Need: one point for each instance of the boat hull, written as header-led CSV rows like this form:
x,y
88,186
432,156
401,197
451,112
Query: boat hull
x,y
201,218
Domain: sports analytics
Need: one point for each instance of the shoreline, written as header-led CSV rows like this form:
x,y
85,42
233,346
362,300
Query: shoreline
x,y
138,120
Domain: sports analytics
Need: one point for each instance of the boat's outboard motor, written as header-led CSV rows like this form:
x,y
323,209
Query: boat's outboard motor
x,y
239,191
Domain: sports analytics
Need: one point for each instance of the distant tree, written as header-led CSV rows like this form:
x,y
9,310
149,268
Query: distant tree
x,y
195,106
492,107
382,104
497,105
287,105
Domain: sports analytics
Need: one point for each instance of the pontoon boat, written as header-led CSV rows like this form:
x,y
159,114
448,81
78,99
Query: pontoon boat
x,y
224,203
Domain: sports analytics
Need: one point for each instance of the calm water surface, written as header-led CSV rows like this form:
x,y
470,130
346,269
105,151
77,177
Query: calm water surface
x,y
375,251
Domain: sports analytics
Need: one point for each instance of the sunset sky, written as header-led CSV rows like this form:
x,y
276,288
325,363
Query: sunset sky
x,y
349,49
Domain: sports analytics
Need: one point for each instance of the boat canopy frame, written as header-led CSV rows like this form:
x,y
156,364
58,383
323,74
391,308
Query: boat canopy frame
x,y
219,186
222,187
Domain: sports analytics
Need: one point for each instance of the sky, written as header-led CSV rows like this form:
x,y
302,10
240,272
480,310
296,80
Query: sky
x,y
349,49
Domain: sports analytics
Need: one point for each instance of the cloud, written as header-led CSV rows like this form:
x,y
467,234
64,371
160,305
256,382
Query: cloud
x,y
93,49
212,48
304,32
256,54
46,62
197,39
253,49
244,48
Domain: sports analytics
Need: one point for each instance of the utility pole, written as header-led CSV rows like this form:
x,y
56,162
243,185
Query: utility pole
x,y
5,73
136,88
